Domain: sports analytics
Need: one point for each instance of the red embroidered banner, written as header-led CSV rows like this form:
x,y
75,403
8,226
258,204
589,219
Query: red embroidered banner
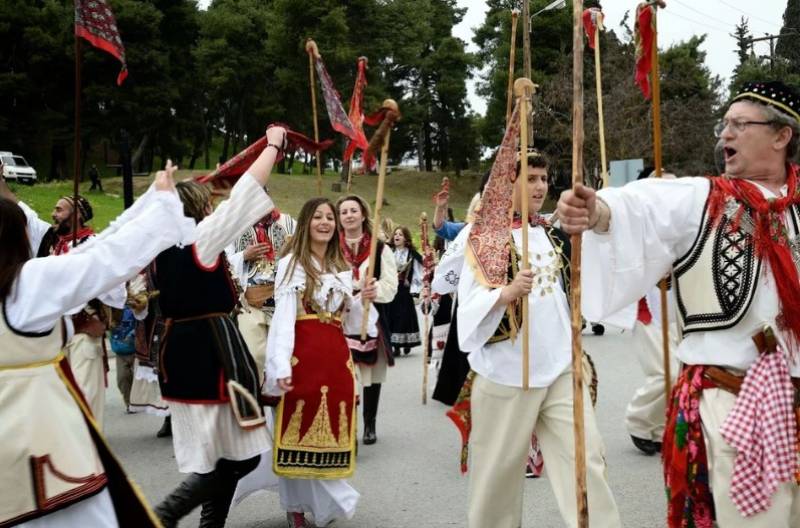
x,y
226,175
591,17
95,22
356,115
339,120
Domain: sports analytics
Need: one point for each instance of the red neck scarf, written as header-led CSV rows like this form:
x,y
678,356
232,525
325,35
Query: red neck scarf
x,y
534,220
262,234
361,254
64,242
770,237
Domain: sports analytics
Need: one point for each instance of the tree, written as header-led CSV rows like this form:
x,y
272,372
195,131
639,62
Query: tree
x,y
788,45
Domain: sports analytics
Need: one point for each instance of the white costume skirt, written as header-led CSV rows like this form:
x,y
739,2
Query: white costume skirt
x,y
97,510
204,433
326,500
145,392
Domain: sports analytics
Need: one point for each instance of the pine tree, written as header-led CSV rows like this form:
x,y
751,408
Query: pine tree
x,y
789,41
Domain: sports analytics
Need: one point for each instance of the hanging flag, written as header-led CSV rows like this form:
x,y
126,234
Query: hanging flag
x,y
339,120
226,175
592,18
356,116
95,22
645,32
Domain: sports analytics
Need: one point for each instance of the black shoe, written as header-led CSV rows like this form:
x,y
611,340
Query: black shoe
x,y
166,428
369,432
407,350
396,351
648,447
598,329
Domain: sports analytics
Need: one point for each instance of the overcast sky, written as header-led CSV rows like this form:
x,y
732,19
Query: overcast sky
x,y
679,21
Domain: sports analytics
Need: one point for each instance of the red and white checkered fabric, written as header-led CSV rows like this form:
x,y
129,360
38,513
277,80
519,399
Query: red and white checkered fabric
x,y
761,427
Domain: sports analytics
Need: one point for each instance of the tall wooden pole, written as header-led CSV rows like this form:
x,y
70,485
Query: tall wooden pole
x,y
313,53
522,87
658,161
526,58
511,64
386,129
599,87
426,305
76,168
575,280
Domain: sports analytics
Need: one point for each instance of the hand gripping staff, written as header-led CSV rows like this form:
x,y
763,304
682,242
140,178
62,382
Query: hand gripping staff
x,y
575,264
379,139
427,274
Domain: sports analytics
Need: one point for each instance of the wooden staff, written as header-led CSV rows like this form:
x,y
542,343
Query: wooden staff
x,y
76,167
523,87
426,304
509,97
598,74
381,138
575,264
313,54
658,160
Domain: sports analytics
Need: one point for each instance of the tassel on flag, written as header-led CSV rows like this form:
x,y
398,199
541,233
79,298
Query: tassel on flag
x,y
95,22
644,34
592,17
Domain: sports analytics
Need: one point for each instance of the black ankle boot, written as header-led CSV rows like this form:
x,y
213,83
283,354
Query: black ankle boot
x,y
166,428
228,473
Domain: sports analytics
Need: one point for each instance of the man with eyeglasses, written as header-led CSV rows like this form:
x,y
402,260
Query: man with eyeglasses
x,y
732,244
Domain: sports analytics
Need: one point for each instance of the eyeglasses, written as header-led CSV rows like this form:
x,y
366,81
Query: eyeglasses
x,y
736,125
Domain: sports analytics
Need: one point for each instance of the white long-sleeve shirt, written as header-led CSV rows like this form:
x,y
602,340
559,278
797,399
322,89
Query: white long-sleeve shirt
x,y
333,292
48,287
549,321
653,223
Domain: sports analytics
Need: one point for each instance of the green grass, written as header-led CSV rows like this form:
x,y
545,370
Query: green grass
x,y
407,194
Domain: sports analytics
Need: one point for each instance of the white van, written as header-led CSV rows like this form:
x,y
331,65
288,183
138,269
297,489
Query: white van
x,y
16,168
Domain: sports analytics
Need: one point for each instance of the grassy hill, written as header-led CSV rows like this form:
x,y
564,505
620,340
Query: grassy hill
x,y
407,194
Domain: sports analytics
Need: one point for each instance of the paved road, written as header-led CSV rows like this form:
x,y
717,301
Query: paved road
x,y
411,477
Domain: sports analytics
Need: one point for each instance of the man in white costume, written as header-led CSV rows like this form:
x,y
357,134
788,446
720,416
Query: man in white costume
x,y
732,245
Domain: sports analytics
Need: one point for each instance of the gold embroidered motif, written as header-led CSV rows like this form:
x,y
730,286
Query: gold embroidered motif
x,y
292,435
294,361
344,429
320,433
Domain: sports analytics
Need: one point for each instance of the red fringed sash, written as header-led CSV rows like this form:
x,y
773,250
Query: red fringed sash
x,y
689,500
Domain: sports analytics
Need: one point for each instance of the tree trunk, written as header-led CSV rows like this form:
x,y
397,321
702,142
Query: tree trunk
x,y
137,155
421,149
428,146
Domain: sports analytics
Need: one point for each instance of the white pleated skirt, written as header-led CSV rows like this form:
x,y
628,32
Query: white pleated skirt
x,y
204,433
97,510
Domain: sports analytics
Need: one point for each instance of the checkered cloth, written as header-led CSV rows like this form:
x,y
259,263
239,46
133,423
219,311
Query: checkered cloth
x,y
762,429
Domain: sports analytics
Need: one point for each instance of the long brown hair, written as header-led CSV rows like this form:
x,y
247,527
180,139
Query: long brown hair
x,y
365,211
14,241
300,247
195,199
406,234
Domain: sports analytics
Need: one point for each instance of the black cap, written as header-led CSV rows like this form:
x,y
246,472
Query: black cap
x,y
772,93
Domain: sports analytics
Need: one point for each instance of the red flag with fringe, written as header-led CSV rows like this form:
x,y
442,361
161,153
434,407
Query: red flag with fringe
x,y
356,116
591,17
226,175
95,22
645,32
339,120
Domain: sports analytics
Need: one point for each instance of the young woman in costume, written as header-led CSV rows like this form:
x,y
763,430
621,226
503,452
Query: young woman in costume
x,y
206,372
310,367
56,469
374,356
402,314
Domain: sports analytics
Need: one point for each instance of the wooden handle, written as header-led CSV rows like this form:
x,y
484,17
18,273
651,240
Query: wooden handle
x,y
522,87
312,49
511,64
